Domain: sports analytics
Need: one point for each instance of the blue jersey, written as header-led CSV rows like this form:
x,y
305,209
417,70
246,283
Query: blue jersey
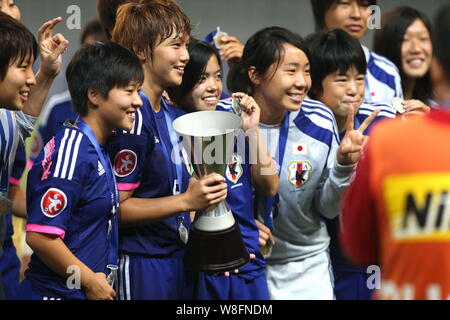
x,y
68,196
142,163
337,257
16,174
239,199
56,112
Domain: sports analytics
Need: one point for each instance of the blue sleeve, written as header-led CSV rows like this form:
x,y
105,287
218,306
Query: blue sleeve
x,y
54,184
128,152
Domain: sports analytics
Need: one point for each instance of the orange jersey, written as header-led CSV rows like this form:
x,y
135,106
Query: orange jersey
x,y
397,211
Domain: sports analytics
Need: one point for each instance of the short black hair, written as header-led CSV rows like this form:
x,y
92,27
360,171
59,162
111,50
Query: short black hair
x,y
200,53
333,51
94,29
441,41
320,8
261,51
388,42
17,43
102,67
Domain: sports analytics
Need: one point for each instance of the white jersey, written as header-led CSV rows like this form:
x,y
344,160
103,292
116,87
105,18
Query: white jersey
x,y
311,182
383,82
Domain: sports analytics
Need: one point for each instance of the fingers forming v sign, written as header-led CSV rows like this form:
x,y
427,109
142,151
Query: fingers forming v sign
x,y
354,141
51,48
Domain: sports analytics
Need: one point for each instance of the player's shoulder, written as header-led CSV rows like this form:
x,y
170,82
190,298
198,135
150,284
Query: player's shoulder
x,y
386,111
379,61
69,150
54,104
317,112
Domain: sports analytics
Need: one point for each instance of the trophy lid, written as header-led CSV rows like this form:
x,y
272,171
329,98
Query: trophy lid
x,y
207,123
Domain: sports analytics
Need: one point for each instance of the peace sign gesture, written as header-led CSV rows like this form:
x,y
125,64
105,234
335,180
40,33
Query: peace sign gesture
x,y
354,141
51,47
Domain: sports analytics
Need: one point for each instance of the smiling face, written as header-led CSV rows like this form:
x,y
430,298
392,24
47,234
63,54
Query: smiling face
x,y
417,50
206,93
16,85
342,90
118,110
285,85
166,68
349,15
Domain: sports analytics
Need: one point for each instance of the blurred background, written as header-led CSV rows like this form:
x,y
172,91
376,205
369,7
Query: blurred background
x,y
240,18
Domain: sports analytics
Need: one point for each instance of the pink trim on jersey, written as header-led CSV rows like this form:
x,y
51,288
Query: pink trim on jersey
x,y
30,164
128,186
46,229
14,181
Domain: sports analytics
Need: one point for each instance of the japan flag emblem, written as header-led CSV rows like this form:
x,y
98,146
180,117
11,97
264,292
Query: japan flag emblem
x,y
125,163
53,202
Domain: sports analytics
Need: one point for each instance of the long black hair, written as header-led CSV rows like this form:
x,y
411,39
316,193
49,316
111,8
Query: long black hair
x,y
389,39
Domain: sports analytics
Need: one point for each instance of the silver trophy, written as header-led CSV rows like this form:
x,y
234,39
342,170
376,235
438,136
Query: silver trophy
x,y
215,242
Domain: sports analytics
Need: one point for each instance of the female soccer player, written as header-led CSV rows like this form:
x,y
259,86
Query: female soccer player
x,y
72,197
156,194
201,90
314,170
405,38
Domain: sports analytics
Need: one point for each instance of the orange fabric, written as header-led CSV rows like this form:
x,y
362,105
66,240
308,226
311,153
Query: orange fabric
x,y
408,176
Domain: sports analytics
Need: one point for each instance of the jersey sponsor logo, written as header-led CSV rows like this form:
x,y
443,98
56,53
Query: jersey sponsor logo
x,y
47,162
53,202
36,144
300,149
125,163
418,206
234,168
299,173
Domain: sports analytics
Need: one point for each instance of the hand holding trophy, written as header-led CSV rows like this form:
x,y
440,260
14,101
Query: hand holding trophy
x,y
215,242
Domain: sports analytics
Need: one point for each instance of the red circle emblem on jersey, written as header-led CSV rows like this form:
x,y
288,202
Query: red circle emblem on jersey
x,y
53,202
125,163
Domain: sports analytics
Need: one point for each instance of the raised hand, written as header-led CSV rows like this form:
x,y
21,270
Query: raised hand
x,y
250,111
231,49
415,107
51,48
354,141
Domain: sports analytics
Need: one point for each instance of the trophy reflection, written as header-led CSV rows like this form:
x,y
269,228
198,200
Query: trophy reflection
x,y
215,242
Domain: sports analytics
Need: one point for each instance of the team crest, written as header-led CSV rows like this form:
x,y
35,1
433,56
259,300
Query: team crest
x,y
234,168
299,173
125,163
53,202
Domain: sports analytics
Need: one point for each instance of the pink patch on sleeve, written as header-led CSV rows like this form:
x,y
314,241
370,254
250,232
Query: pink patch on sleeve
x,y
46,229
128,186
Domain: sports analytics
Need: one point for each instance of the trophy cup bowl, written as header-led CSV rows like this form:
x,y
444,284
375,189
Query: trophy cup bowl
x,y
215,241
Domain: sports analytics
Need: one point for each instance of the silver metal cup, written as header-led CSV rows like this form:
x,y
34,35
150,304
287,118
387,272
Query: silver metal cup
x,y
215,242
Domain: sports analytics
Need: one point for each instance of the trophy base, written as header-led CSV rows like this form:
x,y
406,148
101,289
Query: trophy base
x,y
215,252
